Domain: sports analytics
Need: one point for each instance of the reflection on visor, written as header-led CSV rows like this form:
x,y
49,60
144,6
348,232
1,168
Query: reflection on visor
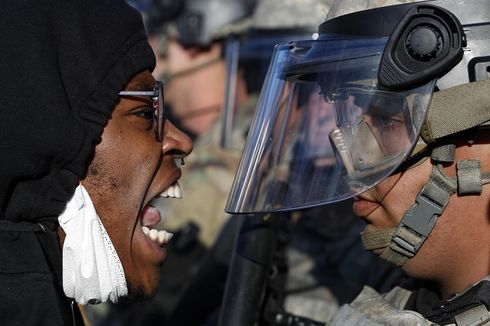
x,y
373,129
324,130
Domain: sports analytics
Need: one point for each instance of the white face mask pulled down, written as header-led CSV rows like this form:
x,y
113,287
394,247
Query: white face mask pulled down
x,y
92,271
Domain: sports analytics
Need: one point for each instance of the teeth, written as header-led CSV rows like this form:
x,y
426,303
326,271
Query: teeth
x,y
171,192
164,236
161,237
174,191
153,234
178,191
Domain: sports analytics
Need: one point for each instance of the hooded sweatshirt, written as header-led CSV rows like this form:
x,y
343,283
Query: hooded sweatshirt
x,y
62,64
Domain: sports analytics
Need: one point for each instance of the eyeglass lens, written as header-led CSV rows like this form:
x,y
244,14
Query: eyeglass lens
x,y
159,111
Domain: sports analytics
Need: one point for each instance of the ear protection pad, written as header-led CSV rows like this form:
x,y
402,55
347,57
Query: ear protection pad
x,y
428,41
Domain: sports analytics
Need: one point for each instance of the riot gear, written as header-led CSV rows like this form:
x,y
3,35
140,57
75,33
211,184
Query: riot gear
x,y
388,82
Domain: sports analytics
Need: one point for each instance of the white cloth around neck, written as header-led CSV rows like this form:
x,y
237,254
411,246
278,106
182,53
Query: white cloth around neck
x,y
92,271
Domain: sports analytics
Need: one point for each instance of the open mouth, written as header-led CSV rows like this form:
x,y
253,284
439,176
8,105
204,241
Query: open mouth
x,y
150,217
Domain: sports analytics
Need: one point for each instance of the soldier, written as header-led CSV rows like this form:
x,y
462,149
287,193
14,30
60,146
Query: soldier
x,y
408,88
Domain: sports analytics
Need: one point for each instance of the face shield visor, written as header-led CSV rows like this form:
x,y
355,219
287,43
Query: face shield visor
x,y
247,60
324,129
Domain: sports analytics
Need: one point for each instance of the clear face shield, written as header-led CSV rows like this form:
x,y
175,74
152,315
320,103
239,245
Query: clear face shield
x,y
324,129
247,60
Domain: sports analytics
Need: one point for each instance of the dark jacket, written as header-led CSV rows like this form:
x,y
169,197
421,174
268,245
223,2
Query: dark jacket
x,y
62,64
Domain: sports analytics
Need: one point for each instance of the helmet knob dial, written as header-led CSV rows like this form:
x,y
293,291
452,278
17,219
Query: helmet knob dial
x,y
423,42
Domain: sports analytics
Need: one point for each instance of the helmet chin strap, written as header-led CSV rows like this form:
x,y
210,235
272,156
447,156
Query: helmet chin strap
x,y
403,242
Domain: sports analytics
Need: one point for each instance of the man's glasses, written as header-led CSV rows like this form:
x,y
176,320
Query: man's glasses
x,y
157,98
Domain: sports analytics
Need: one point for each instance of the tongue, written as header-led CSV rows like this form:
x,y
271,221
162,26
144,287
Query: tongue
x,y
150,216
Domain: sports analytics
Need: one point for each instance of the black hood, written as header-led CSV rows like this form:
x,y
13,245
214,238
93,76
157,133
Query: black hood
x,y
62,64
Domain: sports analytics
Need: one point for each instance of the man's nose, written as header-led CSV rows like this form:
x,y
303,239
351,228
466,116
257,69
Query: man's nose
x,y
175,142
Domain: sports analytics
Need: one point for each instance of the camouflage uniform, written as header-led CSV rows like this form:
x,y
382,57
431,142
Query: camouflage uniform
x,y
397,308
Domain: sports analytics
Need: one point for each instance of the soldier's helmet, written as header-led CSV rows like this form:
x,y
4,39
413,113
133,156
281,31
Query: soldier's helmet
x,y
195,22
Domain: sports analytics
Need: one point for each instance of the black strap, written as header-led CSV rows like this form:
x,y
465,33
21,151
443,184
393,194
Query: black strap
x,y
20,226
426,301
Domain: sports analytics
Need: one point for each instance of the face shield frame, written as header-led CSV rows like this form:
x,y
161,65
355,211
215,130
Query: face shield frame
x,y
247,196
